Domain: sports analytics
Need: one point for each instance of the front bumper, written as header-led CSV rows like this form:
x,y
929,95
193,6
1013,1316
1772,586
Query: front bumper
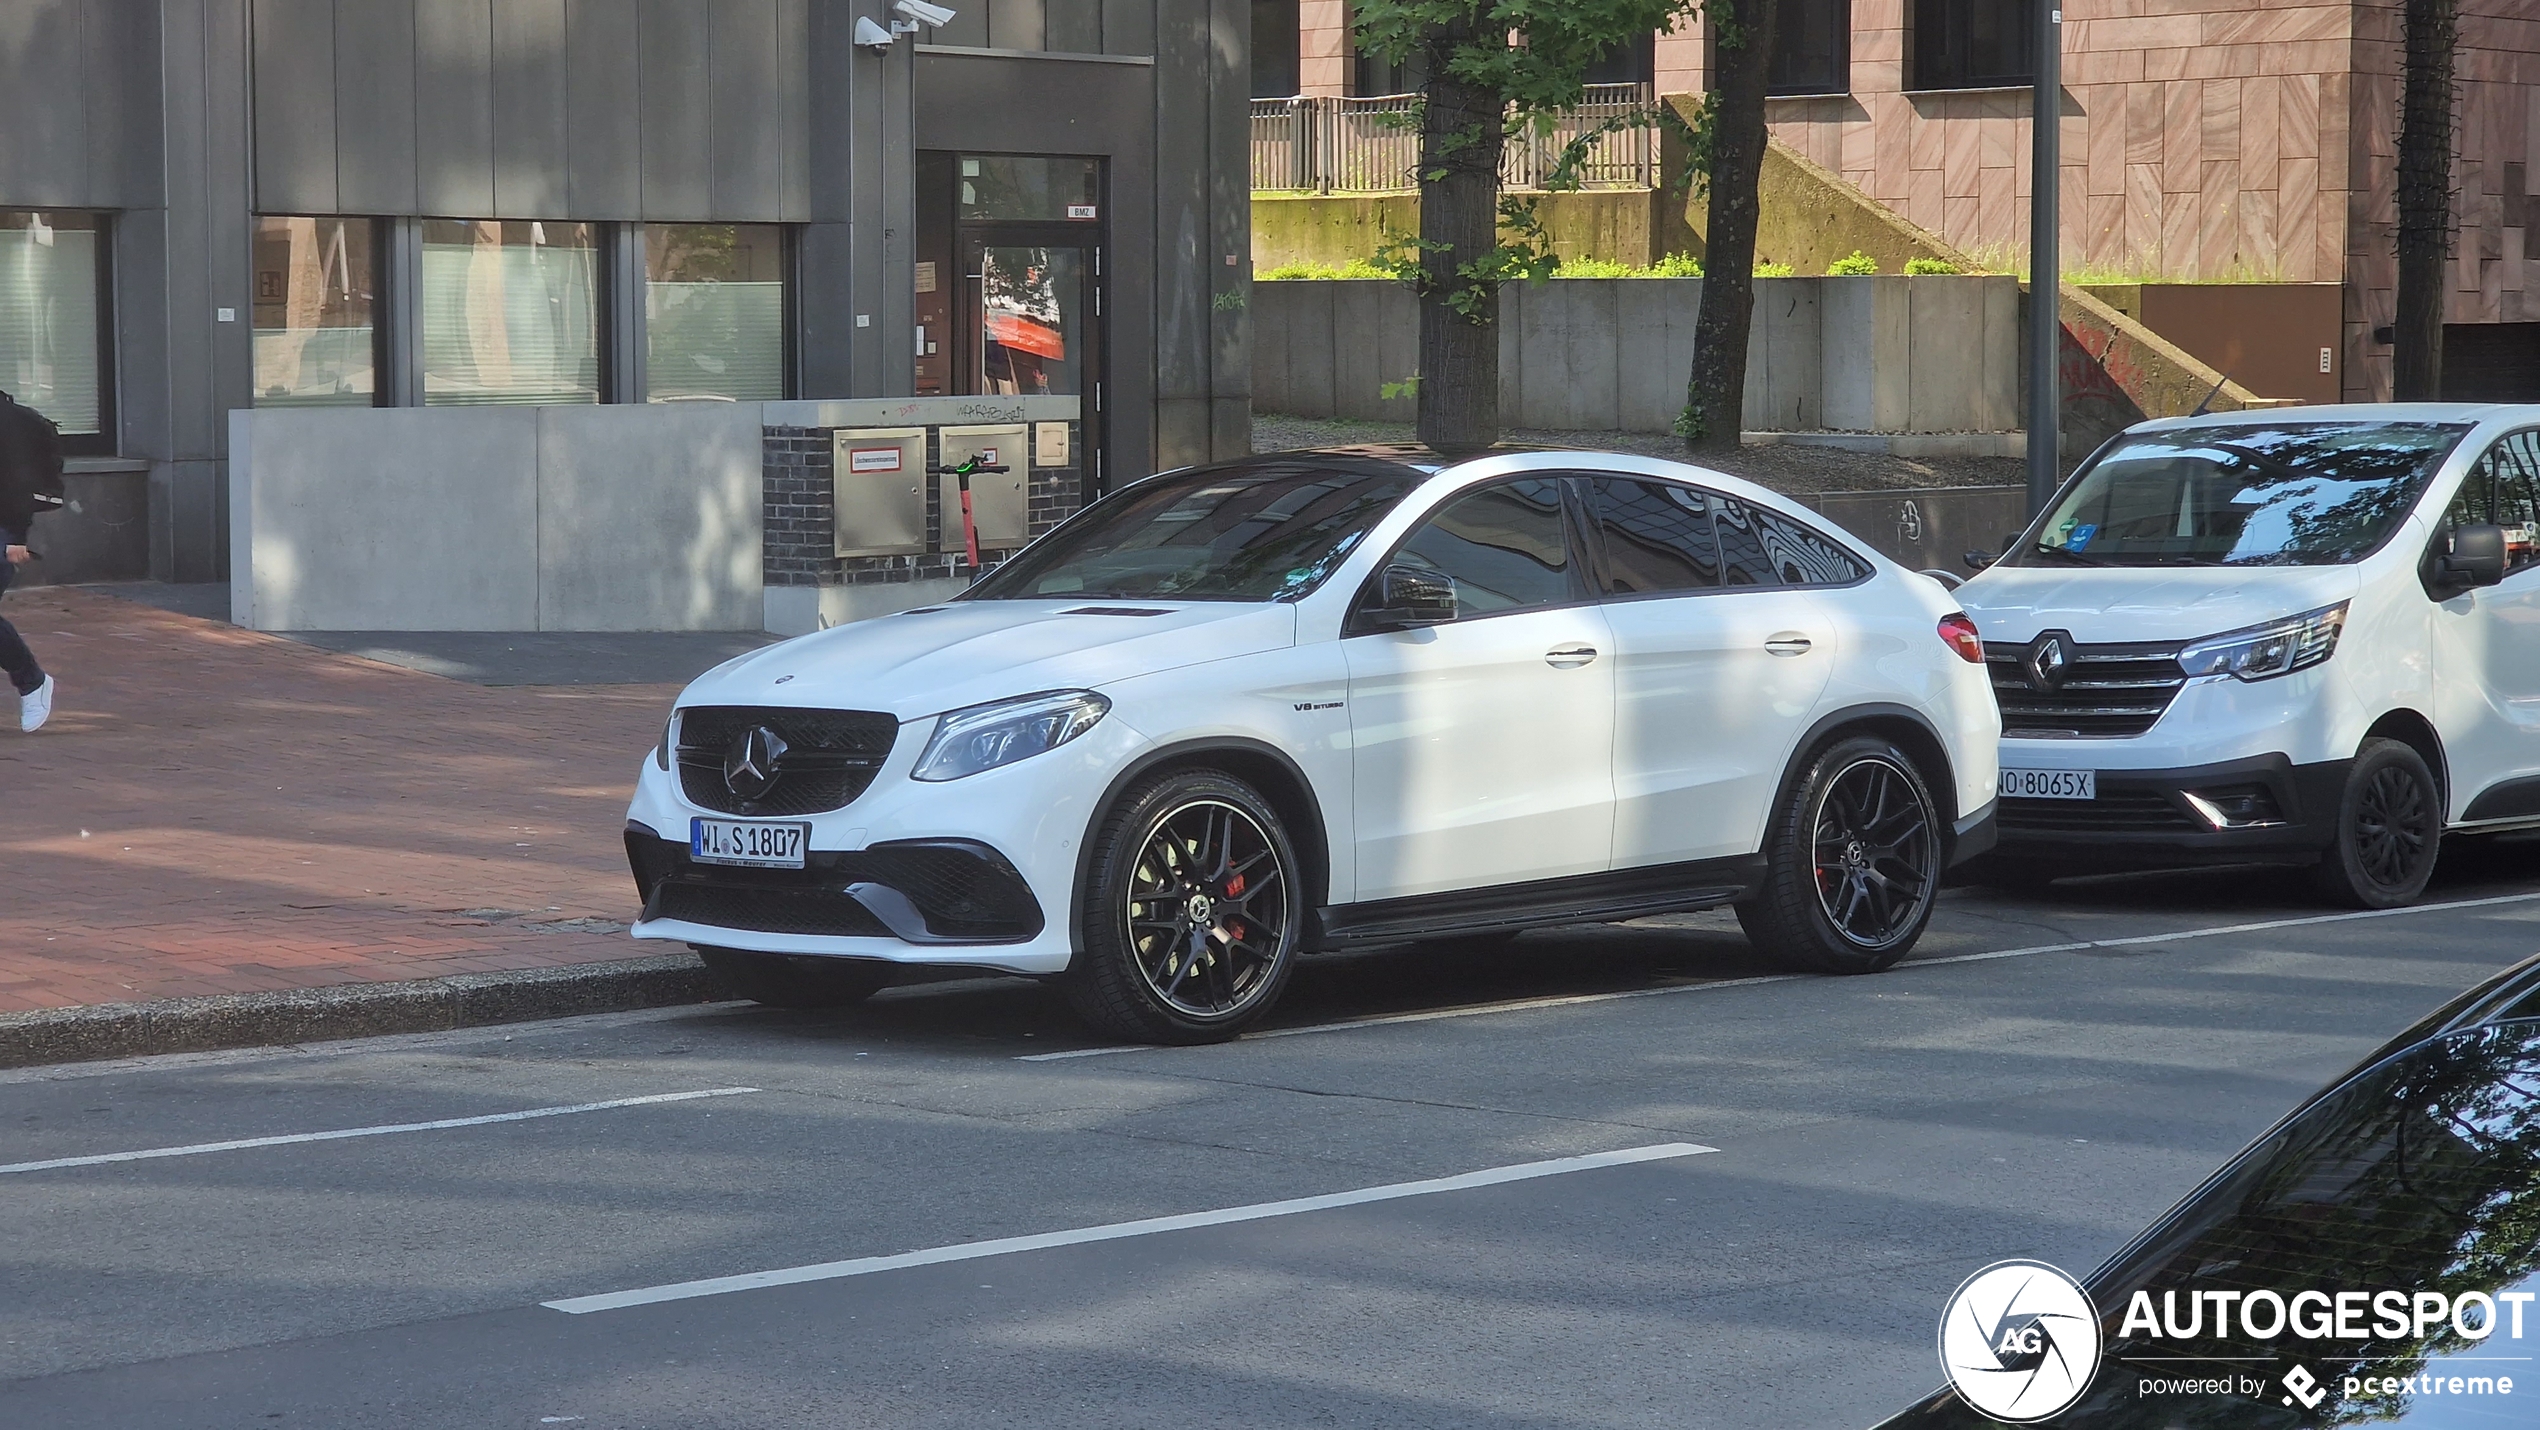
x,y
2272,811
927,893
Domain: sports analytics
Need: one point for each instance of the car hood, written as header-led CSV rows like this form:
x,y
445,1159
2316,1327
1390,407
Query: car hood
x,y
937,658
2121,605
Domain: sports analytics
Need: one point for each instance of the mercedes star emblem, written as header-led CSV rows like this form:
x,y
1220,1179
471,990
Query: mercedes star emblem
x,y
751,766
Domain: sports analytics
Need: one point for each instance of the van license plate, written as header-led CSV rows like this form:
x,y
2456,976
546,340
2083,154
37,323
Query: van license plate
x,y
752,845
2050,784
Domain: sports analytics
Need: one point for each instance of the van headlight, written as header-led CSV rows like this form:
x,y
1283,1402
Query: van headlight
x,y
983,737
2264,652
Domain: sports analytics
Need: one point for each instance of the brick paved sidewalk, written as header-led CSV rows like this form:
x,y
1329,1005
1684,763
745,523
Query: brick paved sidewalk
x,y
217,811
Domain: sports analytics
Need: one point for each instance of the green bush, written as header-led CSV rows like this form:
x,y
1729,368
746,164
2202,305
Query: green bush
x,y
1920,266
1676,265
1773,270
1595,268
1856,264
1289,272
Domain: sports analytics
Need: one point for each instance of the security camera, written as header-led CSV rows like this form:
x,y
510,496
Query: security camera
x,y
933,15
871,36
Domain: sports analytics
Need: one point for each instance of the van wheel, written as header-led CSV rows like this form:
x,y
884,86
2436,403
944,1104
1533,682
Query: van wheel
x,y
2389,829
1191,913
1853,863
782,980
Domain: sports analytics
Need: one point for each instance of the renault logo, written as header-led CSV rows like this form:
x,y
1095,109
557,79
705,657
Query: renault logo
x,y
751,766
2049,657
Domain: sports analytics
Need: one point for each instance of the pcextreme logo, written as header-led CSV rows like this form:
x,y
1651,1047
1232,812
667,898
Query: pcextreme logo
x,y
2020,1341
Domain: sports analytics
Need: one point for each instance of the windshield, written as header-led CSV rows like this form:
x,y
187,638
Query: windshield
x,y
2299,494
2416,1183
1252,533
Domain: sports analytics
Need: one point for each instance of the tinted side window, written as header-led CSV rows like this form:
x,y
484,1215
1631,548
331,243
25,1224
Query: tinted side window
x,y
1506,546
1805,556
1657,536
1743,560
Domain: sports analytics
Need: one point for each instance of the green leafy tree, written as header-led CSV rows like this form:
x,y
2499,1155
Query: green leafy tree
x,y
1492,68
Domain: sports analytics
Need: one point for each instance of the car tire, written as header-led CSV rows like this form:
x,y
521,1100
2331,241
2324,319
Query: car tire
x,y
2389,830
795,981
1191,912
1853,862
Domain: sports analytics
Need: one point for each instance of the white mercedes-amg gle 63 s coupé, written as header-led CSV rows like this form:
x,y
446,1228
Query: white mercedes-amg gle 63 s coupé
x,y
1232,715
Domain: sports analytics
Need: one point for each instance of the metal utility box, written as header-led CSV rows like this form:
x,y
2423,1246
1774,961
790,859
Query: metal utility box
x,y
997,501
880,491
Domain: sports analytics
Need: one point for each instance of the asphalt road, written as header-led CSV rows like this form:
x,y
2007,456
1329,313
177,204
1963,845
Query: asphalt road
x,y
1871,1143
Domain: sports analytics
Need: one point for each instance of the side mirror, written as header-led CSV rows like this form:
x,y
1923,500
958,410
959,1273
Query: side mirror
x,y
1978,560
2478,555
1409,596
2468,558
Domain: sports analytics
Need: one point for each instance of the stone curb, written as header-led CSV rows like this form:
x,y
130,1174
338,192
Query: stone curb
x,y
352,1010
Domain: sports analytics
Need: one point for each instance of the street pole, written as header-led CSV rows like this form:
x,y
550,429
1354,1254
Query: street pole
x,y
2045,287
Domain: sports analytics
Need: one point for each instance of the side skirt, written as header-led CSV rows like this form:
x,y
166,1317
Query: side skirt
x,y
1578,899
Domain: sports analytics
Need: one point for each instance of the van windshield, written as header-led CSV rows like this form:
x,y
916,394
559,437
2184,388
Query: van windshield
x,y
2295,494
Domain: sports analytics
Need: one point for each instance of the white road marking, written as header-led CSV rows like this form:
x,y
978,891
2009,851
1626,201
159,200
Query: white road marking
x,y
1150,1226
340,1134
1522,1005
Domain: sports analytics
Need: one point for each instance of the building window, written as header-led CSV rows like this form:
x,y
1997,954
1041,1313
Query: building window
x,y
1974,44
1812,48
714,311
52,321
1374,74
510,312
1277,49
1029,188
1632,62
316,340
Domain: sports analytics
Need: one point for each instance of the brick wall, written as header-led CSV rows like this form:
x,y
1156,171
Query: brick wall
x,y
801,515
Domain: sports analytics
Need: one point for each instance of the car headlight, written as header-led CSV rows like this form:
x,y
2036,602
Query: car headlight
x,y
983,737
2276,648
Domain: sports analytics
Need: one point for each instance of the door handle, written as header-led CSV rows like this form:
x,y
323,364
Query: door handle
x,y
1789,643
1569,657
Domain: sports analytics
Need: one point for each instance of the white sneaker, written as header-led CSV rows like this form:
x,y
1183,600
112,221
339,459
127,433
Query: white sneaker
x,y
34,710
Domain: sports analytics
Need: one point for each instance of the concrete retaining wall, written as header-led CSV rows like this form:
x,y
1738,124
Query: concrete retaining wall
x,y
105,533
1878,354
611,518
1635,226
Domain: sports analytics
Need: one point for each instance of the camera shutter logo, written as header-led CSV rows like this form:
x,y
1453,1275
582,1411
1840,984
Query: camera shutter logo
x,y
2020,1341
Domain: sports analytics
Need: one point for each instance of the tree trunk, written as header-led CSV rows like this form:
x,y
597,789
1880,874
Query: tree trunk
x,y
2425,199
1715,394
1461,135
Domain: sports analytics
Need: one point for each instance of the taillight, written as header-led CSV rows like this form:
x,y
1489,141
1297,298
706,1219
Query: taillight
x,y
1960,633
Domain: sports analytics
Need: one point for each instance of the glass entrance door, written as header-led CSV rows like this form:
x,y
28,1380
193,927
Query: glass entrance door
x,y
1030,327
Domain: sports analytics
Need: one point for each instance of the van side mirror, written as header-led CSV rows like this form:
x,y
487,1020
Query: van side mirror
x,y
1412,596
2473,557
1978,560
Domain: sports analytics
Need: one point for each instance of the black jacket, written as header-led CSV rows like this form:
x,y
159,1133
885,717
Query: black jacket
x,y
30,468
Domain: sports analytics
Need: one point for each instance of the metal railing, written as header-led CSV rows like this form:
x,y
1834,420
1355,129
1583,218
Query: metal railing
x,y
1364,143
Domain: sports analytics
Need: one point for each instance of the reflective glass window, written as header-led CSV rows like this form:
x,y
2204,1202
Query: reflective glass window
x,y
1657,537
1804,556
1743,559
714,311
510,311
1507,547
316,283
1029,187
51,287
2504,488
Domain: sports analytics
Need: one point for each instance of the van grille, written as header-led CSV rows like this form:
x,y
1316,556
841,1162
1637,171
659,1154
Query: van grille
x,y
2109,692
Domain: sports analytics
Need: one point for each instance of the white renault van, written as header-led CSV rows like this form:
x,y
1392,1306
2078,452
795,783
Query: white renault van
x,y
2308,635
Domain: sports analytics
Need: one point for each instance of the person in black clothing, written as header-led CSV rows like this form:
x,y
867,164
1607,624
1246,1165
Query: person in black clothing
x,y
30,484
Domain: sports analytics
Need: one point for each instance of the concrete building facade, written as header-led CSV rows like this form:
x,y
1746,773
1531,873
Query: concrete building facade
x,y
214,206
2202,140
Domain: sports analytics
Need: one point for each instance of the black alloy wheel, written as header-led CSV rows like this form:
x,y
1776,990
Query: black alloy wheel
x,y
2389,829
784,980
1854,862
1191,916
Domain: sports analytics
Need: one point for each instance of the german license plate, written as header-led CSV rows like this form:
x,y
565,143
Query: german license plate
x,y
748,843
2050,784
